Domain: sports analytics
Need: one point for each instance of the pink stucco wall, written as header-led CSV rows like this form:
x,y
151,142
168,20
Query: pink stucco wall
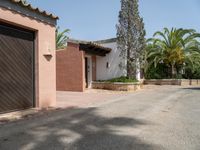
x,y
45,66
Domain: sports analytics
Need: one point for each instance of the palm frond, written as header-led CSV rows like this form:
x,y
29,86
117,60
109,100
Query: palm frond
x,y
61,38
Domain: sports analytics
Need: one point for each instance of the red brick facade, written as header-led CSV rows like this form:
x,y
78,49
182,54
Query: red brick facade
x,y
70,69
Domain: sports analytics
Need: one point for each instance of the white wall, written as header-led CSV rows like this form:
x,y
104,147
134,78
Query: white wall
x,y
114,60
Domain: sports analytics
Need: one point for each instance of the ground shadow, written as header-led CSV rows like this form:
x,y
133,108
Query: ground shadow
x,y
192,88
84,129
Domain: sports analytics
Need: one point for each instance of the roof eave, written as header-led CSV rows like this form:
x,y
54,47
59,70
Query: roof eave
x,y
29,6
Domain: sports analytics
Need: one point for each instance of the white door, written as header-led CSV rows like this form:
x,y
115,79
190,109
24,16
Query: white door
x,y
88,70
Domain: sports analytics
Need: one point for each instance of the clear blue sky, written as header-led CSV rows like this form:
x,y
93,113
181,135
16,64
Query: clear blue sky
x,y
96,19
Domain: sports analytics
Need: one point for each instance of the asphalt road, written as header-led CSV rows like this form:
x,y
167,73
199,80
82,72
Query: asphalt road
x,y
159,118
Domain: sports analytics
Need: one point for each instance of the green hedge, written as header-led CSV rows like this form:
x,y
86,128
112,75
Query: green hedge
x,y
163,72
189,74
159,72
120,79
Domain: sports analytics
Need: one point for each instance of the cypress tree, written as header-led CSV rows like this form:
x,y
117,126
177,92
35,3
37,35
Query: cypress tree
x,y
131,36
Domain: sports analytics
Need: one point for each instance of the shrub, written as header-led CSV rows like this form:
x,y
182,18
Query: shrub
x,y
122,79
160,72
189,74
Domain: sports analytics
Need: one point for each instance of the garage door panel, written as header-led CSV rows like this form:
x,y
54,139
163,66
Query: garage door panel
x,y
16,61
16,69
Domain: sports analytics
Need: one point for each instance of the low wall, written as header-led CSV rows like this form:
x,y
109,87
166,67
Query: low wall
x,y
117,86
181,82
190,82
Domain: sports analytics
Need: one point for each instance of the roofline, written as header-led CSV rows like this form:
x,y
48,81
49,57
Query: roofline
x,y
82,43
75,41
36,9
111,40
27,10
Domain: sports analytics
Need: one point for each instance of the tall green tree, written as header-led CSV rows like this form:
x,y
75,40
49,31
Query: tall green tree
x,y
131,36
176,48
61,38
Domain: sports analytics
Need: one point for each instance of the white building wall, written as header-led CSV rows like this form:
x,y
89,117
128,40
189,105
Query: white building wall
x,y
113,69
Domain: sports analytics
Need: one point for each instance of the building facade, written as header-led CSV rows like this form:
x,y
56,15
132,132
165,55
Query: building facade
x,y
27,57
76,65
83,62
112,65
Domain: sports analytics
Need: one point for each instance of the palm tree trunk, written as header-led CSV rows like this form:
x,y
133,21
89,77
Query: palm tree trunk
x,y
172,71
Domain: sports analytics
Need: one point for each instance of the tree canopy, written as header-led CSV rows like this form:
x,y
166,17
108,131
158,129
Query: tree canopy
x,y
130,36
176,48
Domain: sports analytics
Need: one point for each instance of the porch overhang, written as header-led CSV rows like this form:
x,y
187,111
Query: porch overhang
x,y
94,49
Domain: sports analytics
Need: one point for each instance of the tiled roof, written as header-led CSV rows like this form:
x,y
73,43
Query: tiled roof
x,y
95,44
111,40
99,46
29,6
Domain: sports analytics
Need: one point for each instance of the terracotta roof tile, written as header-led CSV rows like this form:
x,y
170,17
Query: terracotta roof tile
x,y
29,6
91,47
111,40
98,45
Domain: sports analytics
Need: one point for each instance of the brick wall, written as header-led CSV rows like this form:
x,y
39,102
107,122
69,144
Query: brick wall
x,y
70,69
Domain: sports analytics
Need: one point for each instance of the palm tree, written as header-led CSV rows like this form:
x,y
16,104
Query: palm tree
x,y
61,38
174,48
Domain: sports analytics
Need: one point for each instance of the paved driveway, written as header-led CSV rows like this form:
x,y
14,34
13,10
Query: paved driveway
x,y
85,99
160,118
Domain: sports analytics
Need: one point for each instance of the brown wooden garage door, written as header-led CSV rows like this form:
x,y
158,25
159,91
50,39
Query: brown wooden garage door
x,y
16,68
